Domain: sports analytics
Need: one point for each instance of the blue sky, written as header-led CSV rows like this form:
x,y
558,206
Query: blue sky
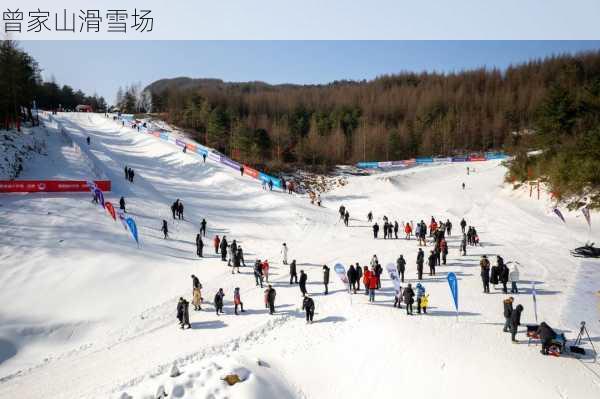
x,y
102,66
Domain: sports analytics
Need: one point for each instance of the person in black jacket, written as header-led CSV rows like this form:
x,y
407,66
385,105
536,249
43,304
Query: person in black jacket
x,y
326,278
271,298
351,273
308,305
463,225
375,230
183,313
431,261
223,247
508,309
503,271
420,260
219,301
484,263
199,245
408,295
359,273
546,334
401,267
165,229
515,322
293,274
122,204
203,227
258,274
302,283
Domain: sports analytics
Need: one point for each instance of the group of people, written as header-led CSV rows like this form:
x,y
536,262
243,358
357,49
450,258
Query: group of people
x,y
500,273
344,215
129,174
177,209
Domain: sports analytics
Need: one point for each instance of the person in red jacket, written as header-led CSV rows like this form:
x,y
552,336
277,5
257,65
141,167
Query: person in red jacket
x,y
217,242
408,231
366,278
373,284
432,227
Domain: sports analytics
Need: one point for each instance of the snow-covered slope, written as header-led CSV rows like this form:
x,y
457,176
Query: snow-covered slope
x,y
85,313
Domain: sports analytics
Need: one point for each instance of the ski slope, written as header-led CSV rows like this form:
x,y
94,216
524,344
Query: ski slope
x,y
86,314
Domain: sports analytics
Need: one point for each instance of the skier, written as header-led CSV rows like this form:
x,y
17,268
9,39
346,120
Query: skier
x,y
342,211
420,294
165,229
258,276
351,274
219,301
326,278
271,299
346,218
513,277
408,295
508,308
308,305
420,261
370,217
407,231
375,230
265,270
396,227
183,313
515,322
237,300
203,228
431,261
463,224
196,293
359,273
444,250
199,245
372,285
293,274
284,253
401,267
122,204
203,157
484,263
302,282
223,247
216,243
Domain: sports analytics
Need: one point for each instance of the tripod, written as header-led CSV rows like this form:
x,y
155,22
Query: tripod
x,y
583,330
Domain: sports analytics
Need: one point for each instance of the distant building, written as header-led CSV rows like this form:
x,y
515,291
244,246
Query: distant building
x,y
84,108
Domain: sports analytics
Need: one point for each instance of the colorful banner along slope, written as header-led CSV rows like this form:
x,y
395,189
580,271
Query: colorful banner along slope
x,y
51,186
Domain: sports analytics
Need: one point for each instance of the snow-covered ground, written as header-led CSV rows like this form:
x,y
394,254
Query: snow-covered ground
x,y
85,313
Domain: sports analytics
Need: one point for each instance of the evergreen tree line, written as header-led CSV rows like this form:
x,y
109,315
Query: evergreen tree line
x,y
21,85
392,117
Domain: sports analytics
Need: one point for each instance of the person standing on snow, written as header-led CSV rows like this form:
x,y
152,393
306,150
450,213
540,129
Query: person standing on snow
x,y
359,273
270,185
407,231
420,261
236,261
122,204
431,260
223,247
230,251
396,228
351,274
165,229
370,217
372,285
375,230
219,301
293,274
385,230
271,299
237,300
401,267
302,283
308,305
203,228
240,257
284,253
326,278
508,309
196,293
346,218
180,211
199,245
408,295
513,277
258,276
265,270
515,322
342,211
420,294
463,225
484,263
448,227
366,278
444,250
183,313
174,207
463,245
503,269
216,243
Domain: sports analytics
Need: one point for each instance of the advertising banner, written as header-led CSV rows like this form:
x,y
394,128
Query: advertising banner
x,y
424,160
276,182
460,159
367,165
385,164
50,186
230,163
201,150
180,143
476,158
251,172
442,160
411,161
191,147
214,157
164,136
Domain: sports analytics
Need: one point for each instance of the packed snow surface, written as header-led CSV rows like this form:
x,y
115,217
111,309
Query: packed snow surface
x,y
85,313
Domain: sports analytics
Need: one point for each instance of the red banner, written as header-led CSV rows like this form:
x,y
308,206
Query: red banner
x,y
476,159
250,172
50,186
191,147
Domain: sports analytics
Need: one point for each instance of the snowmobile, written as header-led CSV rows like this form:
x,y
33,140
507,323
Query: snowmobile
x,y
587,251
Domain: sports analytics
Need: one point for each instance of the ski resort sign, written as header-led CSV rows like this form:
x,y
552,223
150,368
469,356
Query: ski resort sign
x,y
50,186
